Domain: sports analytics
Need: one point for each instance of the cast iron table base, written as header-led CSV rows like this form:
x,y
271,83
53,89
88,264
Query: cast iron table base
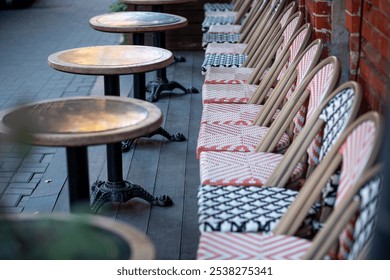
x,y
104,192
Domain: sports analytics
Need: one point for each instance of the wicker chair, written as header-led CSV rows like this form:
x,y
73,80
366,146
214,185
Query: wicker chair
x,y
350,226
236,55
225,88
241,137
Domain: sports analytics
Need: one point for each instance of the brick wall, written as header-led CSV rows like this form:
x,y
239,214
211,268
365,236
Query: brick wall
x,y
368,24
318,13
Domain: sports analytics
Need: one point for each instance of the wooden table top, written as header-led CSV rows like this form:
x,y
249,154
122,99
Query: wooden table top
x,y
156,2
80,121
132,22
111,60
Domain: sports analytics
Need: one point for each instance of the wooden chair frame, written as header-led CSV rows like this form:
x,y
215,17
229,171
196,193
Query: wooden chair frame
x,y
338,220
299,146
309,194
296,101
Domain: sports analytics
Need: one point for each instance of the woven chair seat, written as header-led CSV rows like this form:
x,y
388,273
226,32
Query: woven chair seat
x,y
247,246
244,209
222,60
228,48
231,28
208,38
230,114
240,169
218,6
227,93
220,75
234,138
220,14
216,20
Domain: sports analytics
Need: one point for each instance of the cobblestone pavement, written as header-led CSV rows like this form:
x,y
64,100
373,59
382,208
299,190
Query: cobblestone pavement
x,y
31,177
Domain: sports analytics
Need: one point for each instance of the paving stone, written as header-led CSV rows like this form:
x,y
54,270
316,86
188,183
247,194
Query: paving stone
x,y
20,191
37,177
10,166
47,158
6,174
22,177
22,186
33,158
11,210
3,186
10,200
5,179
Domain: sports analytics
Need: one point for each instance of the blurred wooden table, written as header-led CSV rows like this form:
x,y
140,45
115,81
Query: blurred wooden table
x,y
59,236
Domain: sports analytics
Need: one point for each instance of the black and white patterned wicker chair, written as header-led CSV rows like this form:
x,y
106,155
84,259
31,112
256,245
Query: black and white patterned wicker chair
x,y
258,209
247,54
358,206
239,32
226,17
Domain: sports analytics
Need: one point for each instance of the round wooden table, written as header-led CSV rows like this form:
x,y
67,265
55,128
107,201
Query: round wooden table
x,y
59,236
111,62
76,123
138,23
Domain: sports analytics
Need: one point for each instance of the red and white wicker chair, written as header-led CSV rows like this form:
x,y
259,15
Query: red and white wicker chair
x,y
355,151
222,89
217,139
254,208
247,114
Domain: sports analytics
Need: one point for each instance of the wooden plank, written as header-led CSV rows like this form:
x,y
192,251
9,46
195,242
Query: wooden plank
x,y
190,232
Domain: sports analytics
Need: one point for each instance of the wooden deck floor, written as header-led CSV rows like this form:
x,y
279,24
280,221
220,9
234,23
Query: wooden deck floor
x,y
161,167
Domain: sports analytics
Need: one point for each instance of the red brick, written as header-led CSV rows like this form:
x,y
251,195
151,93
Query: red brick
x,y
354,42
353,60
322,7
352,23
383,5
321,22
377,39
385,47
353,6
375,82
368,32
365,70
378,20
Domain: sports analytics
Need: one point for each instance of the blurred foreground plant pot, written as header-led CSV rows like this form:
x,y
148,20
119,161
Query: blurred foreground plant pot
x,y
70,237
16,4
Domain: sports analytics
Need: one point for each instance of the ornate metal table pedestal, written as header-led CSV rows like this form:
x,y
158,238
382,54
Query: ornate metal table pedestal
x,y
115,189
161,83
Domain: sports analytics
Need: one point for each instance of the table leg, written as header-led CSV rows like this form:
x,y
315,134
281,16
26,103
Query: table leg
x,y
115,189
78,179
139,92
161,83
139,78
